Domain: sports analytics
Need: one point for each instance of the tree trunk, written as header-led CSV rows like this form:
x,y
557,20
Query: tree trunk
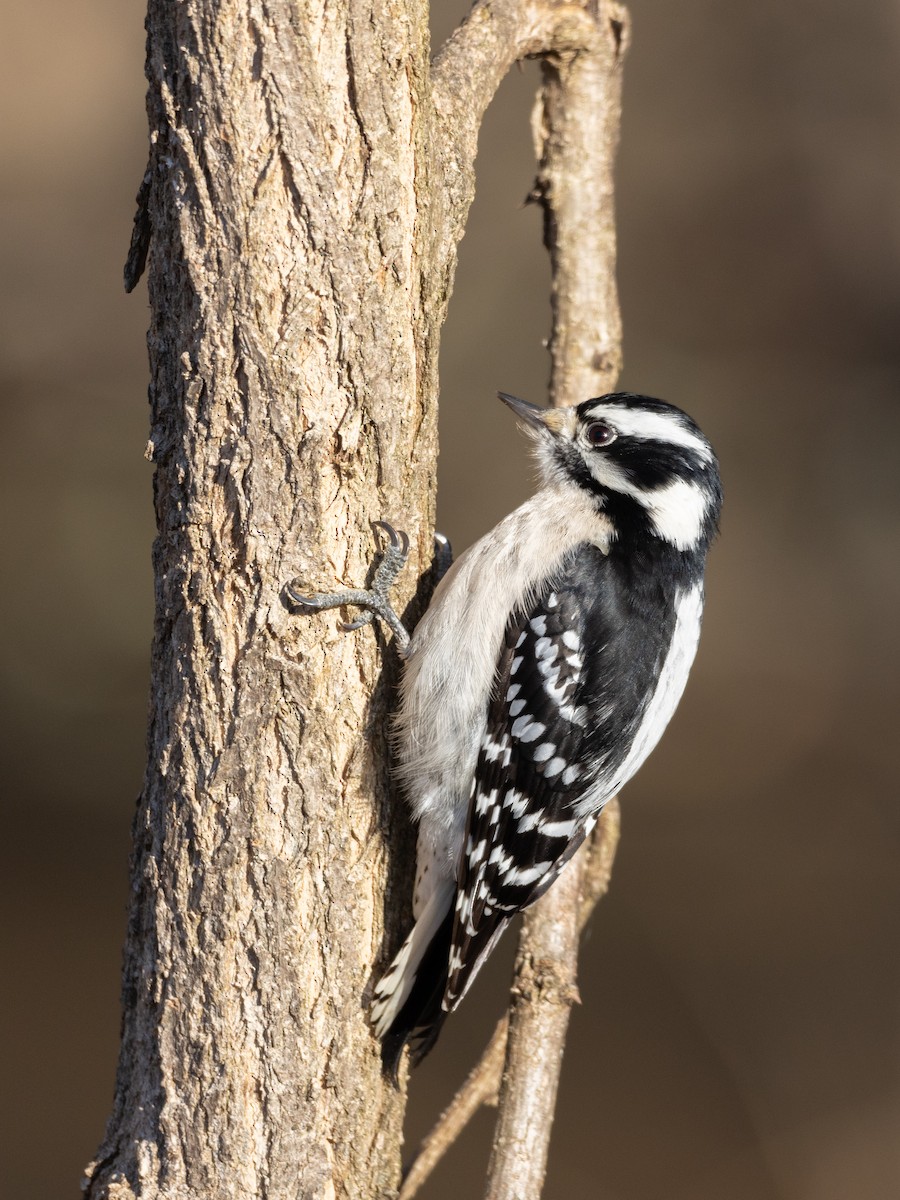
x,y
309,180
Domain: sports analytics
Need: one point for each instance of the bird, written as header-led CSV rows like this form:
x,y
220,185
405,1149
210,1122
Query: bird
x,y
544,671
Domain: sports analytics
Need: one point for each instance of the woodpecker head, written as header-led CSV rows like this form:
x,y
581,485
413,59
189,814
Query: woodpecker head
x,y
648,464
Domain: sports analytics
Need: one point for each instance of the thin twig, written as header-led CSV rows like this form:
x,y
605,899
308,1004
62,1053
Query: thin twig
x,y
483,1082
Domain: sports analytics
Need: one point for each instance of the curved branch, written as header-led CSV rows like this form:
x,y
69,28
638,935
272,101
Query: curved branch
x,y
472,62
470,67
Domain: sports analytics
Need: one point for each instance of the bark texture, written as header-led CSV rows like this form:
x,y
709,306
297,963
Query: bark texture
x,y
309,179
293,359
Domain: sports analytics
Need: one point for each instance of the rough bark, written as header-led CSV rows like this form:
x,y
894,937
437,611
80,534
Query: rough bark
x,y
293,375
308,184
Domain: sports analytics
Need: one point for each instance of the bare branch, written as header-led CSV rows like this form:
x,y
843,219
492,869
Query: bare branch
x,y
576,132
543,994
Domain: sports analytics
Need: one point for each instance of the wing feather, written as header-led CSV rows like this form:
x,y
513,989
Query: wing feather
x,y
574,679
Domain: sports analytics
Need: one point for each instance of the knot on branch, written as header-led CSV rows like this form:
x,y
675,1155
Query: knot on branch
x,y
620,27
565,30
541,981
568,30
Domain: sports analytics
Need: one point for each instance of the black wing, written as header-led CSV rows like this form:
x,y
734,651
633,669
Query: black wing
x,y
574,676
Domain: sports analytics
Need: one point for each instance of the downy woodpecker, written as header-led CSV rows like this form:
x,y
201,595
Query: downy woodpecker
x,y
548,664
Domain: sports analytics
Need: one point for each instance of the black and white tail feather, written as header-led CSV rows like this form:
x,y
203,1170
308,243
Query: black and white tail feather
x,y
549,662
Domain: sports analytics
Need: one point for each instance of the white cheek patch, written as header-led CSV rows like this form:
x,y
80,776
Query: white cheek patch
x,y
677,512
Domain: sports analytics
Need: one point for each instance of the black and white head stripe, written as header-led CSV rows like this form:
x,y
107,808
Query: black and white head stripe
x,y
647,420
654,468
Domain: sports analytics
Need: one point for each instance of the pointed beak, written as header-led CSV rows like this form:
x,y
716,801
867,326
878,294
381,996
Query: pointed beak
x,y
550,419
531,414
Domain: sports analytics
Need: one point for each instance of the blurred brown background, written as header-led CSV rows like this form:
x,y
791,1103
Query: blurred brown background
x,y
739,1031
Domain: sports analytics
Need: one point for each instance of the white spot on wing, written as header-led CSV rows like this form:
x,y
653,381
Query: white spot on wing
x,y
527,730
515,802
545,648
559,829
476,854
521,876
494,750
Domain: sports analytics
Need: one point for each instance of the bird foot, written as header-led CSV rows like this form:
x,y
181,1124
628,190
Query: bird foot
x,y
375,600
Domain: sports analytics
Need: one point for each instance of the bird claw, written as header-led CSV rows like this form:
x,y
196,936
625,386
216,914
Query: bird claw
x,y
397,538
374,600
350,626
443,556
295,597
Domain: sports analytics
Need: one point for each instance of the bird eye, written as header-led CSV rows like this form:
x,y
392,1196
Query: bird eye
x,y
600,434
